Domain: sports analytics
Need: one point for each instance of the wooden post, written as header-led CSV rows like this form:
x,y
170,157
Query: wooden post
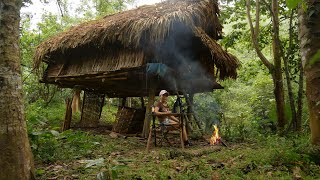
x,y
181,131
129,102
147,118
123,102
142,102
68,115
76,106
149,140
102,104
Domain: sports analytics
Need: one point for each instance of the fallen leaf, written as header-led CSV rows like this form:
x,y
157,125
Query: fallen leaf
x,y
178,168
215,176
96,162
113,135
296,172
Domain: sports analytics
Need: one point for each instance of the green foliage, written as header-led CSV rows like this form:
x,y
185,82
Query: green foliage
x,y
84,154
315,58
41,116
293,3
50,145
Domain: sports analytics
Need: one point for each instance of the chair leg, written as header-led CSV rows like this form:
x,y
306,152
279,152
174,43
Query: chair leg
x,y
165,133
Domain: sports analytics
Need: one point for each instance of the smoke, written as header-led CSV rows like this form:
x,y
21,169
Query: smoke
x,y
180,51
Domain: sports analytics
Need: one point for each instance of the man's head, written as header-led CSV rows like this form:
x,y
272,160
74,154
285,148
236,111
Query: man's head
x,y
164,93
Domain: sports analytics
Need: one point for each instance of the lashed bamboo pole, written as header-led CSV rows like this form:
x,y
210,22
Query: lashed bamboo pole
x,y
147,119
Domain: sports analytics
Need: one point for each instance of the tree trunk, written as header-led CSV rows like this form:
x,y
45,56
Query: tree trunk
x,y
16,160
309,44
277,74
279,96
274,69
286,59
300,99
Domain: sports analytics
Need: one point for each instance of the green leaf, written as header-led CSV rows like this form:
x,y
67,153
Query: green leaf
x,y
40,171
293,3
315,58
114,174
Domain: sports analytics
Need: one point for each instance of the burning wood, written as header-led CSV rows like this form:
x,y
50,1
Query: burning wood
x,y
215,138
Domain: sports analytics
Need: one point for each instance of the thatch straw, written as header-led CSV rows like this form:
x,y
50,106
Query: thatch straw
x,y
130,29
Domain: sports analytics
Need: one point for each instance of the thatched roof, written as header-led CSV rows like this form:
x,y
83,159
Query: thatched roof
x,y
136,37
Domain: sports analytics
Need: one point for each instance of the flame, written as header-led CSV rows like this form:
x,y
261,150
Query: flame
x,y
215,138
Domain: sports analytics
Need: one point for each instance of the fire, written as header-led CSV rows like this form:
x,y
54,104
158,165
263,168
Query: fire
x,y
215,138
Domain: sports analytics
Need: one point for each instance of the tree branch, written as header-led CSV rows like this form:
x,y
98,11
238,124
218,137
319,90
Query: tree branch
x,y
60,8
255,38
257,29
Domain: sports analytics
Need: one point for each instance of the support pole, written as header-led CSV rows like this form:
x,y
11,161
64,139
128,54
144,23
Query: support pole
x,y
68,115
147,118
142,102
181,130
149,140
76,106
123,102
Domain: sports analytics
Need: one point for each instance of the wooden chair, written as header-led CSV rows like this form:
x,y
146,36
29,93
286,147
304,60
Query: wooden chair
x,y
164,130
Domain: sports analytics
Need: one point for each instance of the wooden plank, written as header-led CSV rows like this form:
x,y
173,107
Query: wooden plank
x,y
91,109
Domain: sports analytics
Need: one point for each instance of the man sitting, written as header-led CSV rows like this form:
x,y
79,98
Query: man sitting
x,y
161,109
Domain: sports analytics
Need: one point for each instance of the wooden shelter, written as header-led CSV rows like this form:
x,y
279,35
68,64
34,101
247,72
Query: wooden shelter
x,y
170,45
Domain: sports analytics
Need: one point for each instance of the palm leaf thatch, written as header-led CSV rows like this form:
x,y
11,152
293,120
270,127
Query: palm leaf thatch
x,y
166,32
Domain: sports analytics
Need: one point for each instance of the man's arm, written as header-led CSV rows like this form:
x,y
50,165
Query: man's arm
x,y
157,112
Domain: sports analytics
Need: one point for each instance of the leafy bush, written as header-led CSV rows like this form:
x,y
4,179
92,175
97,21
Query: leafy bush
x,y
51,146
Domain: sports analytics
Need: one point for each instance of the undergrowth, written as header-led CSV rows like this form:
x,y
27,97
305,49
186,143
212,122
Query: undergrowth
x,y
76,154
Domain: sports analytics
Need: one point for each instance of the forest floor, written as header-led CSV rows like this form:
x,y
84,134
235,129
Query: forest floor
x,y
78,154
